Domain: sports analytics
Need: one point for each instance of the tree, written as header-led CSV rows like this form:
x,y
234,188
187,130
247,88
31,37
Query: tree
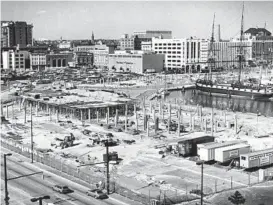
x,y
237,198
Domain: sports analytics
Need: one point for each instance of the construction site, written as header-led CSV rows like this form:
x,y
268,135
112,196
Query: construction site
x,y
155,145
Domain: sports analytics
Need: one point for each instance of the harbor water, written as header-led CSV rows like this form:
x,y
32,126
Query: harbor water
x,y
236,104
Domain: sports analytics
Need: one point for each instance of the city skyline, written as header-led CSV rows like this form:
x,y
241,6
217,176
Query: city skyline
x,y
109,20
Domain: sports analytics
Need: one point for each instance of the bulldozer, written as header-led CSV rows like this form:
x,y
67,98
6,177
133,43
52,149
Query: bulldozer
x,y
67,141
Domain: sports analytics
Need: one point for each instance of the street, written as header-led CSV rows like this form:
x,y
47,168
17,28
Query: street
x,y
23,189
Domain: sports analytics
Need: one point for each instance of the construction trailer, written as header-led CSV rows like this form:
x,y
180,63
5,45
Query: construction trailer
x,y
206,151
257,159
188,146
224,154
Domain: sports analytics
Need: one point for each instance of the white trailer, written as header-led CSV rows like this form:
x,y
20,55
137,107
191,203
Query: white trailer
x,y
257,159
224,154
206,151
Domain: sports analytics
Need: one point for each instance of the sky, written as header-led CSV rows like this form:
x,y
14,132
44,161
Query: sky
x,y
109,20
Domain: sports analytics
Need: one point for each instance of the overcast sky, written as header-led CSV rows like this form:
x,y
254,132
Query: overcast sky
x,y
77,20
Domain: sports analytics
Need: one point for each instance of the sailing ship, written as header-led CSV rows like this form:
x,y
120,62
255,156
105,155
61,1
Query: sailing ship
x,y
237,88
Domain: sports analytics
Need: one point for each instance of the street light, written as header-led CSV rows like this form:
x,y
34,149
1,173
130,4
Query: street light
x,y
40,199
6,178
202,168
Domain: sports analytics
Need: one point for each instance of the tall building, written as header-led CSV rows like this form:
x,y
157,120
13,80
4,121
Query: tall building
x,y
38,61
16,33
15,60
134,42
147,36
126,42
83,58
186,54
226,53
154,34
100,52
257,44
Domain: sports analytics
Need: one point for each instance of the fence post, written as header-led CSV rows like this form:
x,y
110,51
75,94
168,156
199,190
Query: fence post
x,y
186,191
149,199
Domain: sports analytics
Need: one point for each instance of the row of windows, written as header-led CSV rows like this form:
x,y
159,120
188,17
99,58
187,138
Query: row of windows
x,y
175,65
169,44
17,55
169,52
178,48
126,56
174,61
174,56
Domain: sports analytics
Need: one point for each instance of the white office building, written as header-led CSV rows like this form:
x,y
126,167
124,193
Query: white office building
x,y
186,54
14,60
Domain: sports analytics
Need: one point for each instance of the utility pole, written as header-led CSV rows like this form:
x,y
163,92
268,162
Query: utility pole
x,y
31,133
107,167
202,171
6,179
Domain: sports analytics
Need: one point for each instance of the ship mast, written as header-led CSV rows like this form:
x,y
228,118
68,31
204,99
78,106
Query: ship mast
x,y
211,49
241,55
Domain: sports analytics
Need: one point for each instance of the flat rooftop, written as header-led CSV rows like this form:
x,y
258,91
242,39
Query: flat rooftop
x,y
221,144
232,147
258,152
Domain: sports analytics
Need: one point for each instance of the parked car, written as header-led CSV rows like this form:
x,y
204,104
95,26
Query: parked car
x,y
195,191
62,189
97,194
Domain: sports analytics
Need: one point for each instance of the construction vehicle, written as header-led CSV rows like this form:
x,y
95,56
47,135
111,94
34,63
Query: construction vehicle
x,y
67,141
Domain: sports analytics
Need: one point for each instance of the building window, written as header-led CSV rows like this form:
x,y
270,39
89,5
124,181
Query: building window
x,y
169,44
174,52
160,44
173,60
179,44
169,52
155,44
243,158
164,44
178,52
169,48
160,48
169,61
178,48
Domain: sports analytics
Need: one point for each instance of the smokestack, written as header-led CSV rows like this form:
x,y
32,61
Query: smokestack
x,y
219,33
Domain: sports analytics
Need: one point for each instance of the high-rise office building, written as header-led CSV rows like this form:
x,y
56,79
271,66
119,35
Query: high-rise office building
x,y
16,33
186,54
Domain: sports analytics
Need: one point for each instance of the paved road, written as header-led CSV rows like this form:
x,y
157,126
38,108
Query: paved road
x,y
23,189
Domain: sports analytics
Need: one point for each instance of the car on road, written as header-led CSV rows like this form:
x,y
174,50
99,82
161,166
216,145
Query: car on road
x,y
62,189
97,194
